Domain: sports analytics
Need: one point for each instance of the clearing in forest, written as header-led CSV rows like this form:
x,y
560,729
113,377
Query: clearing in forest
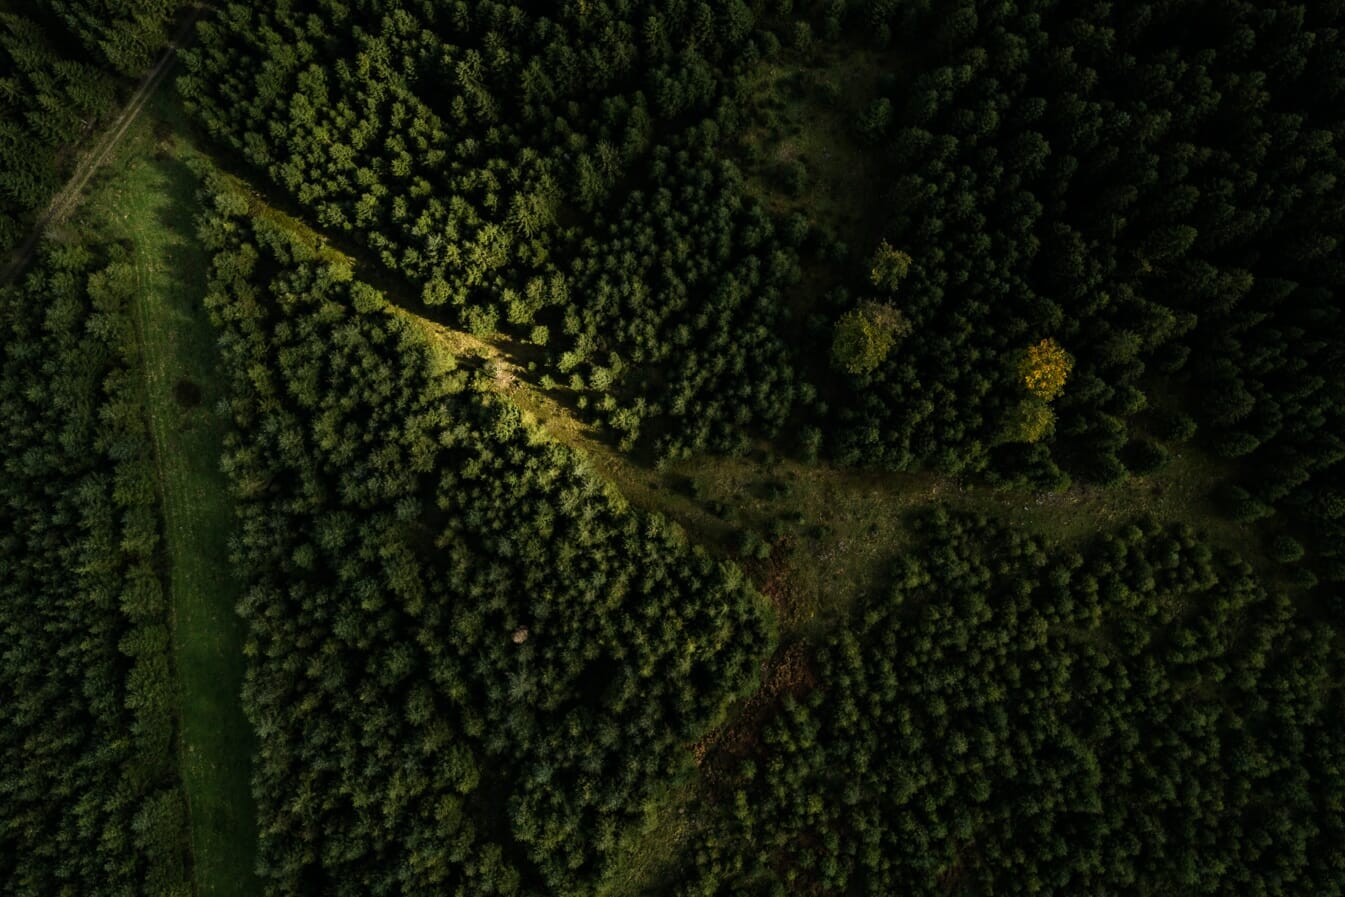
x,y
803,151
149,199
817,537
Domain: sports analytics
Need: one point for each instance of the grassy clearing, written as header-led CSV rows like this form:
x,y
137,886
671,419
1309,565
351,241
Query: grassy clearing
x,y
648,855
148,199
802,151
837,532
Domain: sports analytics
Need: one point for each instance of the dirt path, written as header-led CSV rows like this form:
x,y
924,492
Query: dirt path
x,y
69,196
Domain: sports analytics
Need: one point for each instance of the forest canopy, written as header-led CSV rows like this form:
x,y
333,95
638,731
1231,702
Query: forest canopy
x,y
474,666
1090,236
1008,717
91,795
931,482
1153,188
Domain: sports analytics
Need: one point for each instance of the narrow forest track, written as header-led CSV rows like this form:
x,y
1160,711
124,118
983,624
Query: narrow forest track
x,y
69,196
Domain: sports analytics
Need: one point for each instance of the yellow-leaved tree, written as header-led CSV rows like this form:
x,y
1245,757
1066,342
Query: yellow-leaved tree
x,y
1045,368
865,335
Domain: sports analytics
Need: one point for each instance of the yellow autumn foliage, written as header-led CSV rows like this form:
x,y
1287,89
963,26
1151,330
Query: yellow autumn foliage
x,y
1045,368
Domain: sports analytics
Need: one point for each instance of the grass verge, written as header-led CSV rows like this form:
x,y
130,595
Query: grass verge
x,y
148,199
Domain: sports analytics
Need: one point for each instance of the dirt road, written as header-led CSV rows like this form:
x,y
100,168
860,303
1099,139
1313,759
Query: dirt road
x,y
69,196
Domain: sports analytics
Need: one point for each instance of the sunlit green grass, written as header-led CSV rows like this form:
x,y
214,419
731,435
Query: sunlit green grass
x,y
147,198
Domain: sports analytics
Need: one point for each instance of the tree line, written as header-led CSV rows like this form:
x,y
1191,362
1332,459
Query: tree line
x,y
123,34
48,100
91,795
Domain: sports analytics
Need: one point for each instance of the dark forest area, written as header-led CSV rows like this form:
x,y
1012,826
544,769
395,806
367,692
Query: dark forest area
x,y
91,797
688,448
